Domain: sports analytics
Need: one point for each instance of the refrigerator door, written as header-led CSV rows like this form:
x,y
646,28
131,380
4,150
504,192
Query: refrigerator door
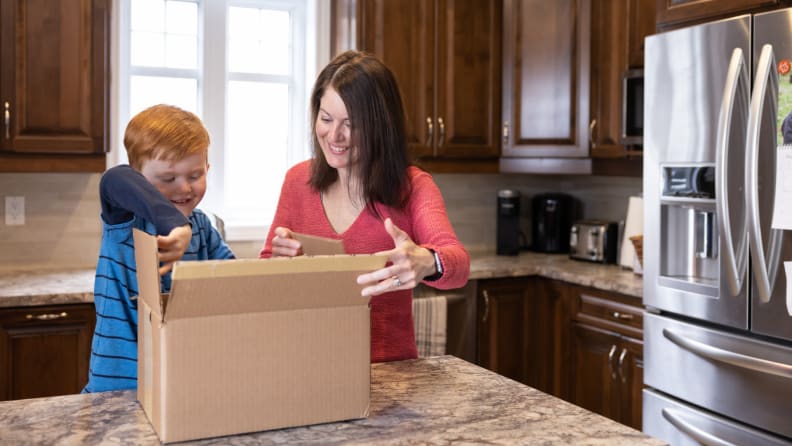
x,y
681,424
696,109
771,314
739,377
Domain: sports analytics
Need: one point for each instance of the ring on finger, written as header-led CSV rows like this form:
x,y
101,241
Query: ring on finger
x,y
396,282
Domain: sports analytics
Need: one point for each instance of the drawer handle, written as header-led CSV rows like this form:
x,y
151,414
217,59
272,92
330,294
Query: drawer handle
x,y
47,316
622,316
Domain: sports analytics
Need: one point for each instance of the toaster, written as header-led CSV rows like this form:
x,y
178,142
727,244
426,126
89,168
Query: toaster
x,y
594,240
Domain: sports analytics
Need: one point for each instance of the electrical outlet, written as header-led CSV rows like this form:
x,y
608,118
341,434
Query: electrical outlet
x,y
14,211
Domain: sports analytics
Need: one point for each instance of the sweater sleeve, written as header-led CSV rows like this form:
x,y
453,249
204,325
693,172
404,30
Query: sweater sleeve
x,y
433,230
125,193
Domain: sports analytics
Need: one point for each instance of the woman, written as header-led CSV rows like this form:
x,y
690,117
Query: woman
x,y
359,187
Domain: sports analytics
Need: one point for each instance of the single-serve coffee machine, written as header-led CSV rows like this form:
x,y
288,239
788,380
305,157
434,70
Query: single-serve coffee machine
x,y
508,223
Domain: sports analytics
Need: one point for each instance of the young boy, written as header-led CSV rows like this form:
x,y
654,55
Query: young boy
x,y
157,193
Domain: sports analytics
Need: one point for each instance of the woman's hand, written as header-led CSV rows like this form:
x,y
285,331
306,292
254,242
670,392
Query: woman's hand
x,y
410,263
172,246
284,244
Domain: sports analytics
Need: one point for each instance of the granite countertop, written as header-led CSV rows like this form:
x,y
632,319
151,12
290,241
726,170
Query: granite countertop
x,y
32,288
438,400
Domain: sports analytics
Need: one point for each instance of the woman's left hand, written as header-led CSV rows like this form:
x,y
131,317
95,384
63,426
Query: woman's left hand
x,y
410,263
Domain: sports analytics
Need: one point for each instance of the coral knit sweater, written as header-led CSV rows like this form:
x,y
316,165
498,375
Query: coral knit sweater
x,y
424,220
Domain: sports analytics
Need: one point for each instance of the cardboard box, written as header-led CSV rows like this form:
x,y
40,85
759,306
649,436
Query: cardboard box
x,y
248,345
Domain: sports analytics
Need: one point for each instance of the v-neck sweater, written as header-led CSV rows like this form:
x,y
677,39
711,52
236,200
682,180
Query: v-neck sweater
x,y
424,219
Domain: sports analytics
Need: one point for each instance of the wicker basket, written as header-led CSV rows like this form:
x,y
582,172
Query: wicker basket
x,y
637,241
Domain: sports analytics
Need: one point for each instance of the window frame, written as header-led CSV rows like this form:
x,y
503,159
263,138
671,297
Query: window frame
x,y
314,41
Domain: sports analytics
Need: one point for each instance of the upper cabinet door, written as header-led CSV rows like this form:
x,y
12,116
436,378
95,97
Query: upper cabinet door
x,y
402,34
468,82
446,57
54,80
545,79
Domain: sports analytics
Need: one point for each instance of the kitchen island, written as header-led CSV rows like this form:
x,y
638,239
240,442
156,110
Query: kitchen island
x,y
437,400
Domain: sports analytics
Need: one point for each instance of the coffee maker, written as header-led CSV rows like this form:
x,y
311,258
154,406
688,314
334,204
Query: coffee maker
x,y
552,218
508,223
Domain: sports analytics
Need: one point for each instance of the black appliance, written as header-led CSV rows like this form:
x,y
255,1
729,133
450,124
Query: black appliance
x,y
508,223
552,215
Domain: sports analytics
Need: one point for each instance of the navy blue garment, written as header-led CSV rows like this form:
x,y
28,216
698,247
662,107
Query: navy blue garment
x,y
130,201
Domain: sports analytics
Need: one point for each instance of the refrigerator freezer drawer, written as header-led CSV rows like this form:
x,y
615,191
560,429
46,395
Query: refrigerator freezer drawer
x,y
743,378
683,425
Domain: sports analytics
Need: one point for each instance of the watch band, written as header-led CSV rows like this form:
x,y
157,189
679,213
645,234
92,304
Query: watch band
x,y
438,267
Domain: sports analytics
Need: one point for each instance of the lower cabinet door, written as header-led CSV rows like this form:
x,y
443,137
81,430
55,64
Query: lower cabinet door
x,y
45,350
595,374
607,374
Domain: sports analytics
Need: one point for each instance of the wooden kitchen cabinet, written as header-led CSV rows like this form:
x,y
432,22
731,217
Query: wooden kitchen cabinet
x,y
546,69
54,85
676,13
618,29
523,330
446,55
45,350
606,370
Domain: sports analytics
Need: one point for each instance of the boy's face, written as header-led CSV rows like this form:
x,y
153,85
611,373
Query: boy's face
x,y
183,181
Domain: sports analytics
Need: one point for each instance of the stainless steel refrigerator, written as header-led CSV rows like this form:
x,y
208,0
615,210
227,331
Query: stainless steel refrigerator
x,y
718,324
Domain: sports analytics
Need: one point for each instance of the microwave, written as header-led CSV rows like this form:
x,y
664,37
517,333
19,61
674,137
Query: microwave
x,y
632,122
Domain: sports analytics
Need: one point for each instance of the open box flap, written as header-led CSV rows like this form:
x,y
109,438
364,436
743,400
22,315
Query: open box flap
x,y
147,263
220,287
313,245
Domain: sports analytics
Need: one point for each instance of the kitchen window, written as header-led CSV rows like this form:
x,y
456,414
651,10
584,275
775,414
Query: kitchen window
x,y
246,68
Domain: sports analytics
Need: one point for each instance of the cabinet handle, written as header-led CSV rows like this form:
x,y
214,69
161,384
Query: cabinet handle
x,y
47,316
621,365
486,306
429,131
623,316
7,119
505,132
441,124
611,354
592,140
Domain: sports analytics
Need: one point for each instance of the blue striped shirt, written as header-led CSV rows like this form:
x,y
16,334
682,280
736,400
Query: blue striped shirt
x,y
113,364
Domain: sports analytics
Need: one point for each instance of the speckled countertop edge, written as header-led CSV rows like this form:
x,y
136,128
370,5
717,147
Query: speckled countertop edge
x,y
36,288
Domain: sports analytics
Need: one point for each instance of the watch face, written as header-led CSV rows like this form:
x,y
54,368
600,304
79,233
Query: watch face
x,y
438,265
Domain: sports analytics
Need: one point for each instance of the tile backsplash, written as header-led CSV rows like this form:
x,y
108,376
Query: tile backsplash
x,y
62,227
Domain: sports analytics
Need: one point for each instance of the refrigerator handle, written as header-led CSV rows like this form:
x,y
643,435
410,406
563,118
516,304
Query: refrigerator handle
x,y
765,86
735,94
678,419
713,353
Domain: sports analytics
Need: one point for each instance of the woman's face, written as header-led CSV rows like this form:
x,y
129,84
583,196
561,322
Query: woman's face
x,y
334,131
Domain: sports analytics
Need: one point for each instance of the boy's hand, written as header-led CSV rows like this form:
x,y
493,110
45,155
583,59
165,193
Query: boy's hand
x,y
172,246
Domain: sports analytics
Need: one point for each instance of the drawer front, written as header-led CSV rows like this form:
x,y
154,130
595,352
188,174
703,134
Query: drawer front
x,y
610,314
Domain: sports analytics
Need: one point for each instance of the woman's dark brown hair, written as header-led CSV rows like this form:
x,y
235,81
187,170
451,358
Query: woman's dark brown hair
x,y
371,95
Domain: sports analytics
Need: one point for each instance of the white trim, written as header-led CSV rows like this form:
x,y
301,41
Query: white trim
x,y
212,102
